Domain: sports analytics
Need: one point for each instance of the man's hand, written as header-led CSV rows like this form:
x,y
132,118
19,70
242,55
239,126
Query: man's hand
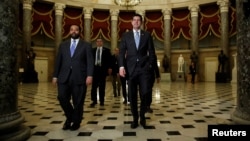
x,y
89,80
122,72
54,81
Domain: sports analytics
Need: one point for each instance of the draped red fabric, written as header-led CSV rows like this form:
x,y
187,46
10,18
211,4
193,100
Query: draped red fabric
x,y
209,21
43,19
181,24
124,23
232,21
154,24
100,26
72,16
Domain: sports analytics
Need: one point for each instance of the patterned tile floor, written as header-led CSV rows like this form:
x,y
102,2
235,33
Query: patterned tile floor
x,y
181,112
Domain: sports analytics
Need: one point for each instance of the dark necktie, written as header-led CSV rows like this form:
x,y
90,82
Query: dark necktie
x,y
98,57
72,48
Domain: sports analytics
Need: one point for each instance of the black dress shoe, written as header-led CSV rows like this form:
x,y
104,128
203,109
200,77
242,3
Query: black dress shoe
x,y
149,110
75,126
134,125
143,123
93,104
102,104
66,125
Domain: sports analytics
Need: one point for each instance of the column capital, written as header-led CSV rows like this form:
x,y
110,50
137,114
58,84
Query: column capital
x,y
27,4
224,4
194,10
87,12
167,13
114,14
59,7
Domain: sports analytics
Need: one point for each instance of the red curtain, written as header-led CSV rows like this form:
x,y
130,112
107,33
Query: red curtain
x,y
100,26
209,18
124,22
43,19
72,16
155,25
181,24
232,21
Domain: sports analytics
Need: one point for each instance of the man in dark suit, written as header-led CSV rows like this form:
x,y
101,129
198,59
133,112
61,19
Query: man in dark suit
x,y
116,83
192,69
102,68
74,68
155,74
139,49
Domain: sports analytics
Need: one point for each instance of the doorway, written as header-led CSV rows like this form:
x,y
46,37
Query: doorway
x,y
41,67
211,65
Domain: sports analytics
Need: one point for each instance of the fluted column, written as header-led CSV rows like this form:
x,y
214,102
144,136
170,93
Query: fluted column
x,y
224,24
114,19
27,9
87,23
142,13
194,27
59,7
167,30
241,115
11,120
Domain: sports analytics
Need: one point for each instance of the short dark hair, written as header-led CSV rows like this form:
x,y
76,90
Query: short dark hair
x,y
77,26
137,15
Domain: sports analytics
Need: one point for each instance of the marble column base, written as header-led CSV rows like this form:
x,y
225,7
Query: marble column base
x,y
240,118
14,130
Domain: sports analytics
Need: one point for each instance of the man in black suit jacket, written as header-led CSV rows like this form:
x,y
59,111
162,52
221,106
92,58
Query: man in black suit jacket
x,y
140,57
73,72
155,74
102,68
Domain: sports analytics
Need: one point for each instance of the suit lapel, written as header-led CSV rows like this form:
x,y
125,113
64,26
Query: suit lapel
x,y
132,38
141,38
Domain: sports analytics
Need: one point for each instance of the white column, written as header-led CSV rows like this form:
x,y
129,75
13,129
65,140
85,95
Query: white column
x,y
114,19
87,23
59,8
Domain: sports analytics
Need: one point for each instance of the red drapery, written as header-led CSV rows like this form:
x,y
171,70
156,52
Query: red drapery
x,y
100,26
181,24
43,19
72,16
124,23
209,21
154,24
232,21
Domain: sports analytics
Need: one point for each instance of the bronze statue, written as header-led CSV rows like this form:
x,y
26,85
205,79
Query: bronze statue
x,y
194,58
165,63
222,58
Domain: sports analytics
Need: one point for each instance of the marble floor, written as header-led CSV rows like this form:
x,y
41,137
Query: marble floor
x,y
181,112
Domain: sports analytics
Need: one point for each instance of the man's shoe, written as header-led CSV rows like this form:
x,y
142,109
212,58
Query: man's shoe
x,y
75,126
149,110
125,102
66,125
143,123
134,125
102,104
93,104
